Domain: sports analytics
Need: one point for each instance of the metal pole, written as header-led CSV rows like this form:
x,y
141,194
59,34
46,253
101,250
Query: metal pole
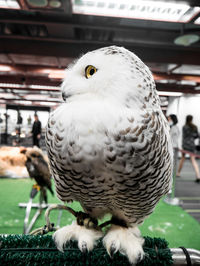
x,y
179,256
6,129
170,198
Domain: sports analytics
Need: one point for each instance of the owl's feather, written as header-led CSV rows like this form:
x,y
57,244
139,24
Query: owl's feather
x,y
108,144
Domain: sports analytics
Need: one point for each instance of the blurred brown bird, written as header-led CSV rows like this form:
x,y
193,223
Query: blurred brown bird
x,y
38,169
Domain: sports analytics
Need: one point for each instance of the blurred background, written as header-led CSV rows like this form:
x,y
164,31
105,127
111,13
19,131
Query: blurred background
x,y
40,38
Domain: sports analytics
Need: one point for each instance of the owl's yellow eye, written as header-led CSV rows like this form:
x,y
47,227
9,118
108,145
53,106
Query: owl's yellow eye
x,y
89,71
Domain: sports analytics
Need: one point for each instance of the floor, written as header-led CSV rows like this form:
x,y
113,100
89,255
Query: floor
x,y
188,191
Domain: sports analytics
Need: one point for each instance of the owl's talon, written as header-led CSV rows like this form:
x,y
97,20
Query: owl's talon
x,y
112,250
84,248
125,240
86,237
140,257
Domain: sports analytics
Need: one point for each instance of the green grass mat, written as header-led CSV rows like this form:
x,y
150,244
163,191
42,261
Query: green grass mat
x,y
40,250
169,222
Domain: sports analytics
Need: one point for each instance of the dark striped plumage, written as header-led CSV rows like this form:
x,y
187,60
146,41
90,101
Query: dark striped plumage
x,y
110,150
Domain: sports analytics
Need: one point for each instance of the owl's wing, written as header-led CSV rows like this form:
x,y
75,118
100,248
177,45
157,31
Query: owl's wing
x,y
30,168
42,173
42,167
140,158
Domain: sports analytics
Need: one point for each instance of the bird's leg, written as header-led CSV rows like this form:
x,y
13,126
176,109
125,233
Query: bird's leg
x,y
85,230
44,194
84,219
36,186
126,240
34,191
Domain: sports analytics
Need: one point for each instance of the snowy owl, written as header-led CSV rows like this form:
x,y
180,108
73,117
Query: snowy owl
x,y
109,149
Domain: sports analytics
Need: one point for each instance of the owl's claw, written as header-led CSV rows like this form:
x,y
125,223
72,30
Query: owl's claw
x,y
140,257
86,237
84,248
112,250
125,240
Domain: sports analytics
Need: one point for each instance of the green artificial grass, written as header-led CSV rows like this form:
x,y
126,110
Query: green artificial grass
x,y
15,191
169,222
173,224
41,250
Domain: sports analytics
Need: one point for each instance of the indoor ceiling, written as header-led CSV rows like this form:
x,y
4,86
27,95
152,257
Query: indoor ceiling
x,y
39,38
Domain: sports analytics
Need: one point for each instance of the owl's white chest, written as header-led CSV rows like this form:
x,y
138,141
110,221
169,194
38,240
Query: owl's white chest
x,y
89,121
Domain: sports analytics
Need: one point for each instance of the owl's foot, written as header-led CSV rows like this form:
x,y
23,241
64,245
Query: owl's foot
x,y
86,237
125,240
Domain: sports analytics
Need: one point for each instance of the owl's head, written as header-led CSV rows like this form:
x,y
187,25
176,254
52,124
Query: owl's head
x,y
107,72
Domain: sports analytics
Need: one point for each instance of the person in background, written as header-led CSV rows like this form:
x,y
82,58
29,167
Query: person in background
x,y
19,118
190,133
16,140
36,131
174,134
29,120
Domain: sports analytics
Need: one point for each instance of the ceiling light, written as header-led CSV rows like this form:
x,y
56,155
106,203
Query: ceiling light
x,y
10,85
152,10
55,3
197,21
10,4
23,102
191,13
44,87
48,103
52,73
39,97
57,74
187,82
170,93
163,78
186,39
5,68
44,3
37,3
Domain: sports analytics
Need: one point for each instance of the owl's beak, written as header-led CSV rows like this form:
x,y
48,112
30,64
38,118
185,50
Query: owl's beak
x,y
65,96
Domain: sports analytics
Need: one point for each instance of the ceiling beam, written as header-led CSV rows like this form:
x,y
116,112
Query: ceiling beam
x,y
32,75
26,90
178,77
6,99
73,49
21,106
22,4
187,89
102,25
26,80
29,68
160,86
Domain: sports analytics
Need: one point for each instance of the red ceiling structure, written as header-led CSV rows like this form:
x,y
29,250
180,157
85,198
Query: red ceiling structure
x,y
39,39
